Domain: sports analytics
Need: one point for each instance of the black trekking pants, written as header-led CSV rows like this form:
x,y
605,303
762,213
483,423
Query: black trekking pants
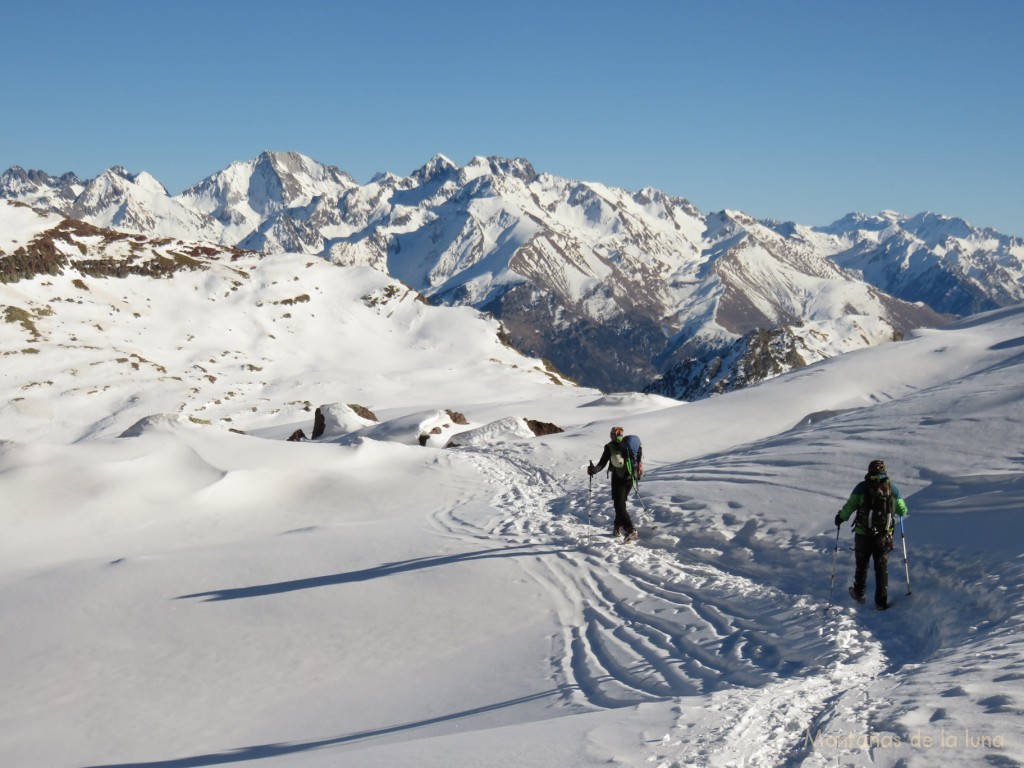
x,y
866,548
621,486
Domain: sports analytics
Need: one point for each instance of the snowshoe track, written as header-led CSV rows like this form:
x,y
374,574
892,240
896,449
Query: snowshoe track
x,y
660,622
711,619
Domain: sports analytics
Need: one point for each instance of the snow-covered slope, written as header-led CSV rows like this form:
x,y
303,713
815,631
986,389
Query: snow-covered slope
x,y
104,328
186,595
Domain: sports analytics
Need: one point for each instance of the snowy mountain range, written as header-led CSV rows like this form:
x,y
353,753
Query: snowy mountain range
x,y
618,290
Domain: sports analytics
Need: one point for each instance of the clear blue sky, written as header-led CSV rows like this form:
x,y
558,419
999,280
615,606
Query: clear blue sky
x,y
800,110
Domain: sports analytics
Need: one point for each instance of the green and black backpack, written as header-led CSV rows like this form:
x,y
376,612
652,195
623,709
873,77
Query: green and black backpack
x,y
877,513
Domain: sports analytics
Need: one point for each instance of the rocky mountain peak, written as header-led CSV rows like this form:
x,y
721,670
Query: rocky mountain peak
x,y
438,169
519,168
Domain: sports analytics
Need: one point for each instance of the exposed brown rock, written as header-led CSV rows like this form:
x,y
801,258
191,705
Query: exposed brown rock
x,y
318,424
540,428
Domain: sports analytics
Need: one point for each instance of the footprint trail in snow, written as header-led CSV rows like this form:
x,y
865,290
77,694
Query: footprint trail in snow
x,y
662,621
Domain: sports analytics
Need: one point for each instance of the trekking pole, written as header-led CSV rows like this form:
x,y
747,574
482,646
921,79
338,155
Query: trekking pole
x,y
636,487
590,496
636,491
832,584
906,565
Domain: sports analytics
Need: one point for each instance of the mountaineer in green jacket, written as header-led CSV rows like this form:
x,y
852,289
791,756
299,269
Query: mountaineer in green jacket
x,y
877,503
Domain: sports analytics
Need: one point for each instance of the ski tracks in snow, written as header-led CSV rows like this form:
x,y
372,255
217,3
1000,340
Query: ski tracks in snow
x,y
751,671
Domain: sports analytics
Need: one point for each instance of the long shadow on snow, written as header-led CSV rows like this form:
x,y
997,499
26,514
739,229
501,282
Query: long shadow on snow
x,y
264,751
366,574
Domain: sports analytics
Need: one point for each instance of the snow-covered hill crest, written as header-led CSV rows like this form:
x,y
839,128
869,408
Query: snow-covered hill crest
x,y
100,328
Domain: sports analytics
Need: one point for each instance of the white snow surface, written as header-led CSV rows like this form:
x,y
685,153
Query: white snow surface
x,y
20,224
176,594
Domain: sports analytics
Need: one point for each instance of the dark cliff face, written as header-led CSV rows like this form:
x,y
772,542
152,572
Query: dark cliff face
x,y
703,369
612,356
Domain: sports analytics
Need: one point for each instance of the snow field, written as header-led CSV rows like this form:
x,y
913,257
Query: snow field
x,y
189,596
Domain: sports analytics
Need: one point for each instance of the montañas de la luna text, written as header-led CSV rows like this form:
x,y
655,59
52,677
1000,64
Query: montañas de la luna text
x,y
941,739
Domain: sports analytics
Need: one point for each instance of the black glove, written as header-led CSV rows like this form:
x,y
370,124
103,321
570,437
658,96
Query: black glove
x,y
839,519
591,470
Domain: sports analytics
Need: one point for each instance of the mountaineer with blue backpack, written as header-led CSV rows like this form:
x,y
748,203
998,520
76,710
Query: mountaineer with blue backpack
x,y
624,456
